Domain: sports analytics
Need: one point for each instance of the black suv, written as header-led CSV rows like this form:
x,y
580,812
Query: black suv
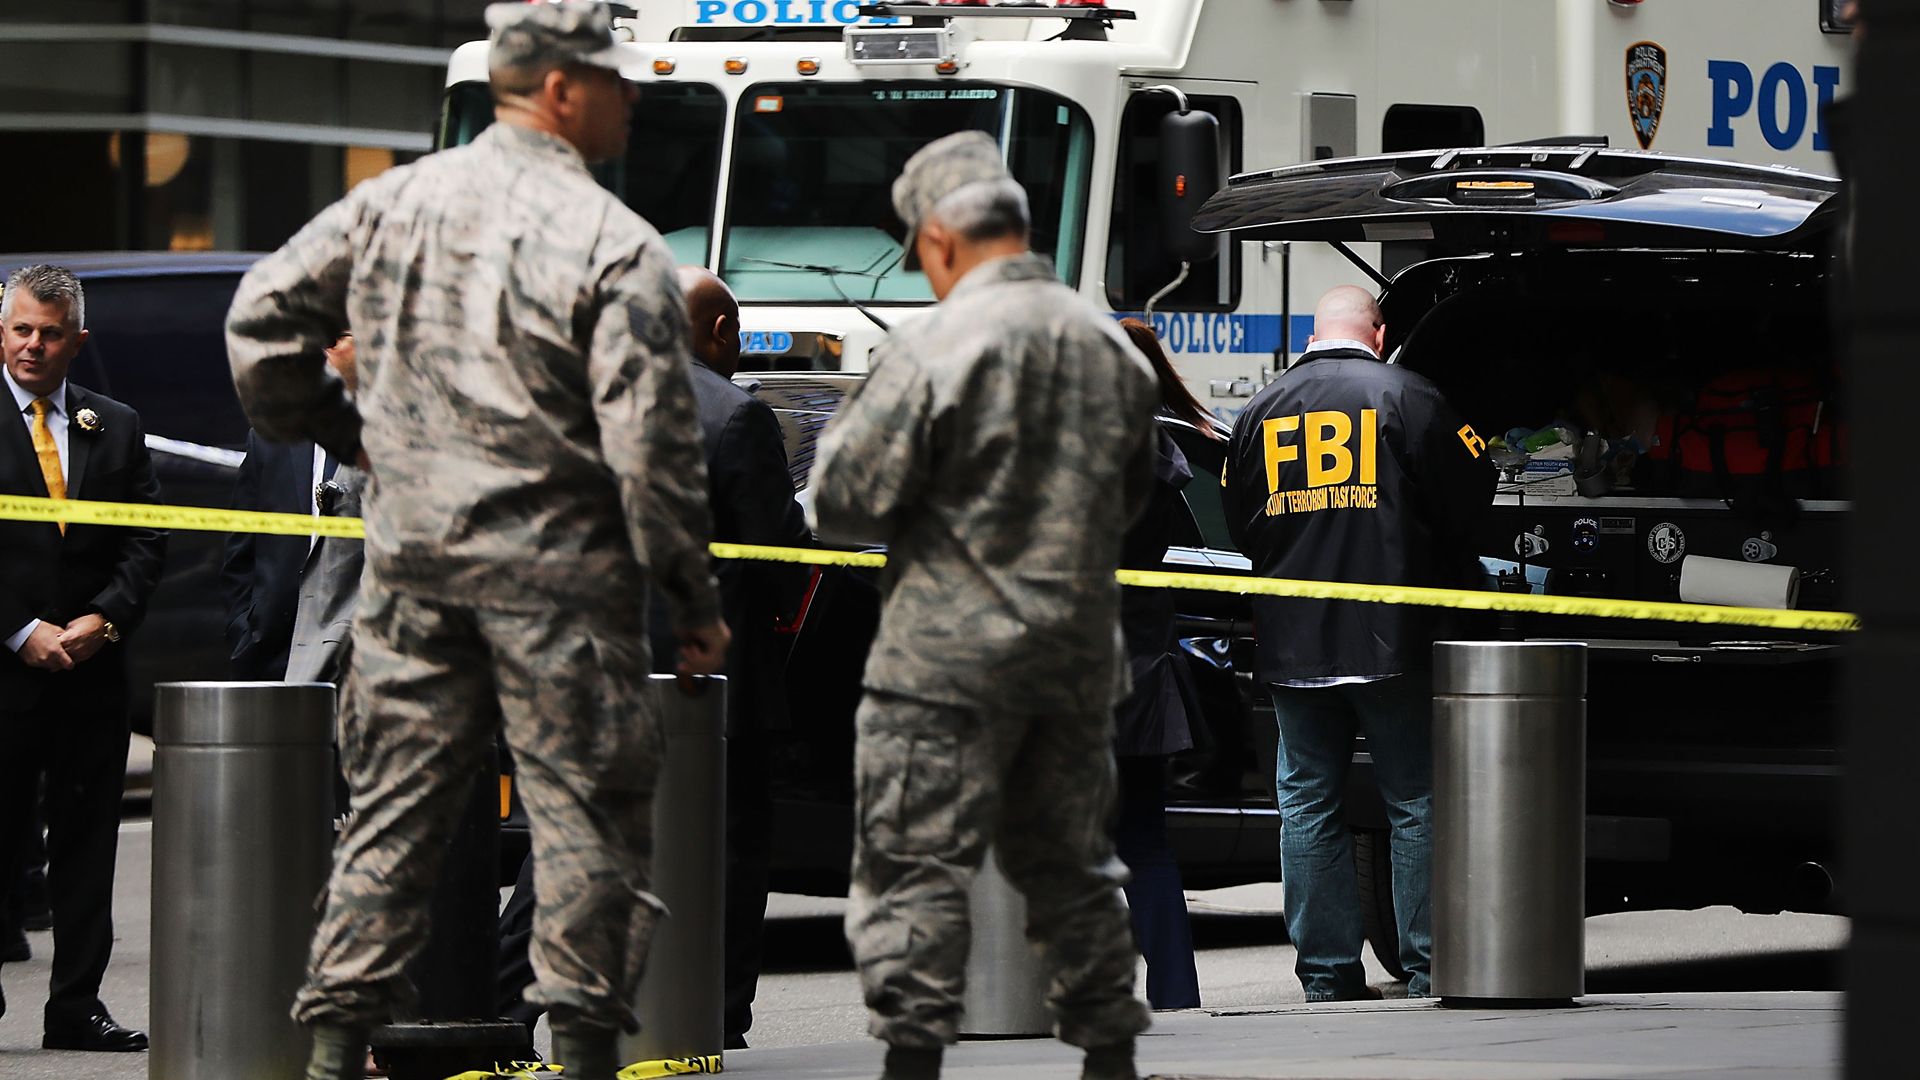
x,y
1679,308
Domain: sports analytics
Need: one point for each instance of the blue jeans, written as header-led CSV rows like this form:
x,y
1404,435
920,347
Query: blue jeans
x,y
1317,729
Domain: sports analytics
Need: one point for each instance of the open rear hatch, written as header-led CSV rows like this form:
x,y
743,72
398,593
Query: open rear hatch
x,y
1527,197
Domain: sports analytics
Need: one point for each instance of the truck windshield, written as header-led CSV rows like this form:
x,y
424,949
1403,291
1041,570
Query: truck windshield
x,y
672,166
810,208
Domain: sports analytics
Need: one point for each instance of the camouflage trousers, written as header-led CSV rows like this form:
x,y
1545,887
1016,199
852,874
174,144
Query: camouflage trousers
x,y
934,786
430,683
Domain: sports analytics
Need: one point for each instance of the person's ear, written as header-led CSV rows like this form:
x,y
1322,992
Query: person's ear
x,y
726,331
557,88
1380,341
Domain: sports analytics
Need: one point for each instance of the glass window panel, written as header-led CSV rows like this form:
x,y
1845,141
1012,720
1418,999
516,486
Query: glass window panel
x,y
672,167
810,198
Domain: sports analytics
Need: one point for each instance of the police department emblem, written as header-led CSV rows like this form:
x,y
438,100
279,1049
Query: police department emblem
x,y
1586,534
1666,543
1646,89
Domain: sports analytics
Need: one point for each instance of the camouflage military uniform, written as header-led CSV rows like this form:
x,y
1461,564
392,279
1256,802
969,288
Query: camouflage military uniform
x,y
525,403
1000,447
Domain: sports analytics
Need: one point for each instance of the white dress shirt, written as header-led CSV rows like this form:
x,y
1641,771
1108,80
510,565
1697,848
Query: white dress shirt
x,y
313,491
57,424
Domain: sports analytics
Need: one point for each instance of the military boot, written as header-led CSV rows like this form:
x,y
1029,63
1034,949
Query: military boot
x,y
587,1053
339,1053
1113,1061
912,1063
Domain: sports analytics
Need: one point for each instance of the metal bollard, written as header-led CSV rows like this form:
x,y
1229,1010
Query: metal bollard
x,y
682,997
242,844
1006,993
1509,822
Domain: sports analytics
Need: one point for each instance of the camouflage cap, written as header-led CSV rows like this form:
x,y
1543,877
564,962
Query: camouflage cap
x,y
939,169
550,35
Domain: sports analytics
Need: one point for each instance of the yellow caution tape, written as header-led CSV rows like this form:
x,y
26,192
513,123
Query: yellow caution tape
x,y
648,1070
161,516
153,516
639,1070
1464,599
811,556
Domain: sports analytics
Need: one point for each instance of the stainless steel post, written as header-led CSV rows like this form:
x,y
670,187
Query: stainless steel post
x,y
242,843
1509,822
681,1000
1006,984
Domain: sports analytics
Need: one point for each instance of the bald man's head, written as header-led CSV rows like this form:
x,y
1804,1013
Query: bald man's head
x,y
714,318
1349,312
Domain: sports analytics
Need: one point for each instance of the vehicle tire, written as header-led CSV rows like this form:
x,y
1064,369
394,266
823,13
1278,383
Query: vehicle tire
x,y
1373,865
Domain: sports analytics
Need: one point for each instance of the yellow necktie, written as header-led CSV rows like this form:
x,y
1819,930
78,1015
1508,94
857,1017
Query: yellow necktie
x,y
49,454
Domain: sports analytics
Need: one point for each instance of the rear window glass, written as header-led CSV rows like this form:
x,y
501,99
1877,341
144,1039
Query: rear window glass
x,y
159,345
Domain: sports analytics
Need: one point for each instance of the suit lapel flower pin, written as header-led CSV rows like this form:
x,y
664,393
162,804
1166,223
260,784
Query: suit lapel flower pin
x,y
89,421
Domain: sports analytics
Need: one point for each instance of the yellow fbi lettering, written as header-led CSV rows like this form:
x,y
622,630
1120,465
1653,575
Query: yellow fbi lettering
x,y
1328,448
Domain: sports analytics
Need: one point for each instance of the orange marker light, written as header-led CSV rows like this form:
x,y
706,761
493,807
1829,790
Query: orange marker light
x,y
808,65
736,65
663,66
947,67
1180,186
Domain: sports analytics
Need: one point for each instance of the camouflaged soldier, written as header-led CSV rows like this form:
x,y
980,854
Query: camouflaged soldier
x,y
525,413
999,448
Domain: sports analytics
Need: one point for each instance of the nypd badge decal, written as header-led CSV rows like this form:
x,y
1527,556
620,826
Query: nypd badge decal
x,y
1646,89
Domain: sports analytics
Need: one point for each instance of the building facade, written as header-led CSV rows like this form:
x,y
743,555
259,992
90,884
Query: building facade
x,y
193,125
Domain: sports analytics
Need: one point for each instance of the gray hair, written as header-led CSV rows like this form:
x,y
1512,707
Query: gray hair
x,y
985,210
49,285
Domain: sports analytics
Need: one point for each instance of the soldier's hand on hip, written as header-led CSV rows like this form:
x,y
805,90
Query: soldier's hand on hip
x,y
704,651
42,649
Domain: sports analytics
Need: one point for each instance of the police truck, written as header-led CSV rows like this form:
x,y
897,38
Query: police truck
x,y
769,131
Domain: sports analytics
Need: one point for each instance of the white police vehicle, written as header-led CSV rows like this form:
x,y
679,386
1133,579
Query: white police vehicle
x,y
769,132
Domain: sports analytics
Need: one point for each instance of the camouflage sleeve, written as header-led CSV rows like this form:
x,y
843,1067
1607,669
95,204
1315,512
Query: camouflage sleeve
x,y
874,461
289,309
650,433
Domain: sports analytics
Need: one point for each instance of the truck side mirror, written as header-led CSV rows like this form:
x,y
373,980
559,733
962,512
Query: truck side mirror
x,y
1188,175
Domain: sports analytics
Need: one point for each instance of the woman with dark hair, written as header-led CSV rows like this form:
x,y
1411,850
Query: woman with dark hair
x,y
1161,715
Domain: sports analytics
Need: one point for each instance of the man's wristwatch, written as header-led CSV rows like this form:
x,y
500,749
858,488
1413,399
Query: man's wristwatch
x,y
113,632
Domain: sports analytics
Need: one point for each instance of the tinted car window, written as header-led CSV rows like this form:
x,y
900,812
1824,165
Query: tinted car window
x,y
158,344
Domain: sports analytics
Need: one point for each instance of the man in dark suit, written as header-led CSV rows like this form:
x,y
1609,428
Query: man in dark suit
x,y
751,492
752,498
69,596
260,575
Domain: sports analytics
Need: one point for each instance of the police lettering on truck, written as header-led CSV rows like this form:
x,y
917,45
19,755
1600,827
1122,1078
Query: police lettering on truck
x,y
1780,105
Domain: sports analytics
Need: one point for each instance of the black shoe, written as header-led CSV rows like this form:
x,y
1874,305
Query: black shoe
x,y
14,947
99,1034
1111,1062
912,1063
734,1042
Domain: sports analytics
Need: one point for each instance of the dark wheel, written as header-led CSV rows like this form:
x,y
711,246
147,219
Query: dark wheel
x,y
1373,864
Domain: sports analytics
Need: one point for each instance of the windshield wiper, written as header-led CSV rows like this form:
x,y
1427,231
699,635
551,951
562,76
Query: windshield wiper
x,y
833,279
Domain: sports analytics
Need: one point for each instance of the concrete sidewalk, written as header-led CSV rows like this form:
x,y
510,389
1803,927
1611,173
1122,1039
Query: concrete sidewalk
x,y
1725,1036
1752,1036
